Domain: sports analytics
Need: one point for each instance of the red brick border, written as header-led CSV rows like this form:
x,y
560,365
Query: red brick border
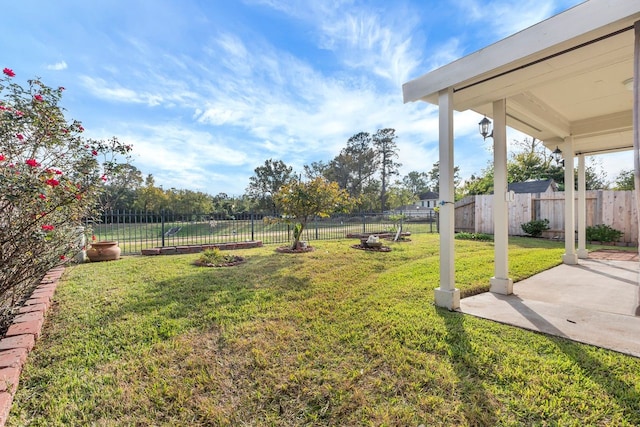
x,y
192,249
21,337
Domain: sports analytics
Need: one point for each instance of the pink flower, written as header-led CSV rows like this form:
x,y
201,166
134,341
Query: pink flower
x,y
2,157
58,172
19,113
80,128
20,136
62,257
3,108
52,182
38,97
94,152
9,72
42,196
47,227
32,162
104,178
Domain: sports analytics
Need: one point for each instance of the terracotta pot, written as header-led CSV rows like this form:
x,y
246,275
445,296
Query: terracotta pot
x,y
104,251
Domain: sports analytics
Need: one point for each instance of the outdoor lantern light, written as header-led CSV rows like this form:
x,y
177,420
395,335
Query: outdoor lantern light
x,y
557,155
485,128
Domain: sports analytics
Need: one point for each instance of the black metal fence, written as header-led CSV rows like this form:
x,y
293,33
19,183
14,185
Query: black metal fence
x,y
135,230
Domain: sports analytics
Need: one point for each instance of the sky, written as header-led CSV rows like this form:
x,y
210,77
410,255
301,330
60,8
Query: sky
x,y
208,90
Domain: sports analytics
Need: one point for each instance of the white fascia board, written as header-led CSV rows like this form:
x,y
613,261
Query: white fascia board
x,y
577,25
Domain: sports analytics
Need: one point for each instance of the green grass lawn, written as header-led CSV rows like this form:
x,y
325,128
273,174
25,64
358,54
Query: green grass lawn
x,y
336,336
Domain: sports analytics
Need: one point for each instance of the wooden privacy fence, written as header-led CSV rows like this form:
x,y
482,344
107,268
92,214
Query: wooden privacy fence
x,y
617,209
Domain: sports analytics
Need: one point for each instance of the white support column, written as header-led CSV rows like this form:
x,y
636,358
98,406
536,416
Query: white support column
x,y
446,295
582,209
500,283
636,116
570,256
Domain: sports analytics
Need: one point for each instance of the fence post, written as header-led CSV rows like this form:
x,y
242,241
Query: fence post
x,y
316,221
162,225
252,227
364,223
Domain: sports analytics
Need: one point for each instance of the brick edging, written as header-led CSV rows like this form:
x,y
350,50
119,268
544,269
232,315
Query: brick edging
x,y
192,249
21,336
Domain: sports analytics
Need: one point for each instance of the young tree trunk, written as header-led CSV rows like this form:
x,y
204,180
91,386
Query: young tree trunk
x,y
297,234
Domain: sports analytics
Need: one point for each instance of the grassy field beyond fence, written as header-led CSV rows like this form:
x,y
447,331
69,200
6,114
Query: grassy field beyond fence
x,y
337,336
135,231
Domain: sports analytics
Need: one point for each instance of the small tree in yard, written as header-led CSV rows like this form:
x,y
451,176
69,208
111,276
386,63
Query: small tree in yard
x,y
50,178
302,201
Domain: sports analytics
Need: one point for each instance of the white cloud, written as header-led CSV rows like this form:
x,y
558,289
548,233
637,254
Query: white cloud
x,y
161,90
505,17
372,42
180,157
114,92
369,40
58,66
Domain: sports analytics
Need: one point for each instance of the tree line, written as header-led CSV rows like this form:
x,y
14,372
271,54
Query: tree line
x,y
366,168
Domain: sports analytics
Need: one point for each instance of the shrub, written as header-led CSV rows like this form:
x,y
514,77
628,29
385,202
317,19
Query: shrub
x,y
603,233
50,179
536,227
215,257
475,236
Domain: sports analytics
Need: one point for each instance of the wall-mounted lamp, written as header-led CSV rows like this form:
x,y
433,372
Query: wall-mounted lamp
x,y
486,129
557,155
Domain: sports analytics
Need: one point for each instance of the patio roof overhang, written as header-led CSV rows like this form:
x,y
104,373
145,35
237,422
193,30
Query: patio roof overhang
x,y
569,75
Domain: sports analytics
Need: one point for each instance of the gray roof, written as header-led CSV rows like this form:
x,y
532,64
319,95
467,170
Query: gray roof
x,y
429,195
532,186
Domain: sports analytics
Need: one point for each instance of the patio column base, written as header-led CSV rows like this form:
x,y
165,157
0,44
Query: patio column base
x,y
447,298
583,254
501,286
570,259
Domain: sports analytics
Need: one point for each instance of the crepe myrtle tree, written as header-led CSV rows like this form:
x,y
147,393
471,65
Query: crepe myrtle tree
x,y
301,201
50,178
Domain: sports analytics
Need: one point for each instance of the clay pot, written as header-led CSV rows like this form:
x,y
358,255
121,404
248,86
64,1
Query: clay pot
x,y
104,251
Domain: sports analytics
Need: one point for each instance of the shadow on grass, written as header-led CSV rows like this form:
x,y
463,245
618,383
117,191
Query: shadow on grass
x,y
625,394
477,404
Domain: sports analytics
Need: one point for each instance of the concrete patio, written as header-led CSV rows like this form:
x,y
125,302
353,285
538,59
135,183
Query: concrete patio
x,y
596,302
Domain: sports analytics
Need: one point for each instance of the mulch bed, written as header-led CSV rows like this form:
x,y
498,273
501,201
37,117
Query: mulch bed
x,y
236,260
288,250
366,248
